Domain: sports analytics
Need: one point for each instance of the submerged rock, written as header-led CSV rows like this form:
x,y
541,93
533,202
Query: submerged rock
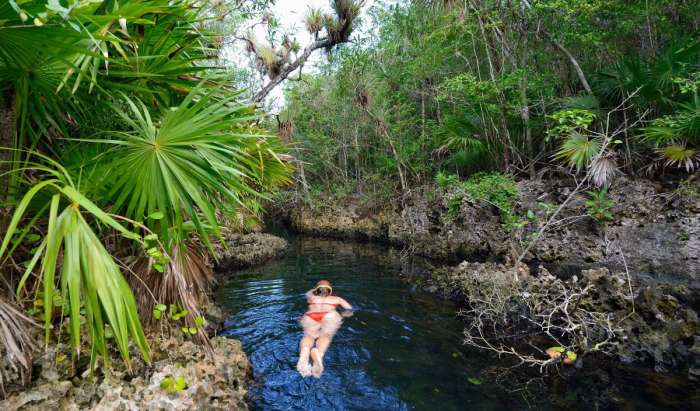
x,y
213,380
247,250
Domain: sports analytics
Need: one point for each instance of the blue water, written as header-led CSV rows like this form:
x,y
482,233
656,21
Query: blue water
x,y
400,351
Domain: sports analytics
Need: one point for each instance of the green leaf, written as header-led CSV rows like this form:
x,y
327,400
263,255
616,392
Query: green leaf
x,y
158,215
157,314
167,383
199,321
32,238
180,384
474,381
192,330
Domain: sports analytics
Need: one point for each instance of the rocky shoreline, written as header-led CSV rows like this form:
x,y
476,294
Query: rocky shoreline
x,y
207,379
653,238
653,231
215,377
248,250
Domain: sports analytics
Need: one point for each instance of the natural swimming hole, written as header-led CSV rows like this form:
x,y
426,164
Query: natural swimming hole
x,y
401,350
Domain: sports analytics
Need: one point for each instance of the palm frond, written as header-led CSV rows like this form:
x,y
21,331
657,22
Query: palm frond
x,y
578,150
677,155
192,160
87,273
16,340
603,170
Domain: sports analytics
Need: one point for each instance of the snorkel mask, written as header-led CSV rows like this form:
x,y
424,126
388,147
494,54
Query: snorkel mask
x,y
324,284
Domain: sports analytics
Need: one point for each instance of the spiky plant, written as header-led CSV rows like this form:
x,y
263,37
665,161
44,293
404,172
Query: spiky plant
x,y
268,55
603,170
676,136
185,281
73,256
677,155
578,150
314,21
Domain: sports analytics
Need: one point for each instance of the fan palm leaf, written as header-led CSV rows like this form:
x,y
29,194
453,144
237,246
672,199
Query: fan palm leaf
x,y
191,161
578,150
87,272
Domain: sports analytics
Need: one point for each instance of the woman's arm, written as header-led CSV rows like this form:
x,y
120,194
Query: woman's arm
x,y
344,304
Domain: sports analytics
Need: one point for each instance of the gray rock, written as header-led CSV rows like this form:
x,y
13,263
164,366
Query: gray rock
x,y
216,380
658,240
247,250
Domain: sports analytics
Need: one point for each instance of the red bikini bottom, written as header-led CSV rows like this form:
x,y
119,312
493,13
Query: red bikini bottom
x,y
317,315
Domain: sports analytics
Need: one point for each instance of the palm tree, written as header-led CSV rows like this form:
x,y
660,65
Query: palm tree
x,y
115,106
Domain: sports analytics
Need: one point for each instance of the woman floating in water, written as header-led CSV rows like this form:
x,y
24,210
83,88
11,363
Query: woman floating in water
x,y
320,325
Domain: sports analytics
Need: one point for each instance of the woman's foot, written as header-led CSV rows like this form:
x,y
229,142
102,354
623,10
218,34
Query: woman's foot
x,y
304,368
317,368
303,365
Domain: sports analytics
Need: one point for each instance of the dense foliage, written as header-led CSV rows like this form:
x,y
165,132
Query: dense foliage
x,y
463,86
124,148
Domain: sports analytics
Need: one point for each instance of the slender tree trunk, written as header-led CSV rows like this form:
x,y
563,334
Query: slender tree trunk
x,y
7,134
502,124
381,128
525,106
7,141
577,67
357,156
422,113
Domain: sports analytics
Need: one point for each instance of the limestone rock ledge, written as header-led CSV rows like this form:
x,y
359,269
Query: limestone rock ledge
x,y
214,382
248,250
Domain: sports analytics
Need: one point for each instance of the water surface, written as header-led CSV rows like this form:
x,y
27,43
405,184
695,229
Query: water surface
x,y
401,349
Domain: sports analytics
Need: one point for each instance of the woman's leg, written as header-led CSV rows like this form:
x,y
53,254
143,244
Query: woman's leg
x,y
330,324
304,352
317,368
322,344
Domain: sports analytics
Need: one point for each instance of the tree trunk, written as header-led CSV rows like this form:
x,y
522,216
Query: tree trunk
x,y
7,141
7,135
525,105
567,53
493,66
574,63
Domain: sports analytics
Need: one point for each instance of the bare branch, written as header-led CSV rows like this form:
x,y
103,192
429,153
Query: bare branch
x,y
337,28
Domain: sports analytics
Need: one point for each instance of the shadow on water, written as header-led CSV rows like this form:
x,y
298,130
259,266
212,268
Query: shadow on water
x,y
401,350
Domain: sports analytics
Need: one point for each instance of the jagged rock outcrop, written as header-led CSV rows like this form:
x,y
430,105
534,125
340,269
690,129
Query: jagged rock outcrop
x,y
247,250
654,232
214,381
655,326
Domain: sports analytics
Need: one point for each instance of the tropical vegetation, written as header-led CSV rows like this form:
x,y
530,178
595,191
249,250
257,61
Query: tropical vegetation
x,y
131,143
125,148
522,87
